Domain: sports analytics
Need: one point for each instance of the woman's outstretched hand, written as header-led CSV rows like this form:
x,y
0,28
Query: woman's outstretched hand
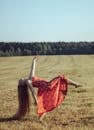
x,y
35,57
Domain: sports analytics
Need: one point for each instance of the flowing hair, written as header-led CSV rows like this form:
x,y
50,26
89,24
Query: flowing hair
x,y
23,100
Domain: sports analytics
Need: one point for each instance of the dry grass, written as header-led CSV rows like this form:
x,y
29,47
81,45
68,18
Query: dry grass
x,y
77,111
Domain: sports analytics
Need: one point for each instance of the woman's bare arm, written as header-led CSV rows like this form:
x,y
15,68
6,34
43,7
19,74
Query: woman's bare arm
x,y
32,71
29,81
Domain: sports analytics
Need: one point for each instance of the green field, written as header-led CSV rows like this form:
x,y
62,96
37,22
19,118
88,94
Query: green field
x,y
77,111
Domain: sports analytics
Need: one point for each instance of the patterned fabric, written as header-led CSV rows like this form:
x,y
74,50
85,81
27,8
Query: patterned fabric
x,y
50,94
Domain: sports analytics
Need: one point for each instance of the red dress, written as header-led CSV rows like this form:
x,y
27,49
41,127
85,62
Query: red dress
x,y
50,94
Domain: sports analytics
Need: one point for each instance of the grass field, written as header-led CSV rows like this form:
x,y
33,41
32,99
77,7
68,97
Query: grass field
x,y
77,111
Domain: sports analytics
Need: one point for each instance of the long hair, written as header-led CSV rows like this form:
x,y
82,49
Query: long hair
x,y
23,100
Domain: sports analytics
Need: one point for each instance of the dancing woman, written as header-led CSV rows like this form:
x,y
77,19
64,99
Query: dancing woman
x,y
50,93
24,85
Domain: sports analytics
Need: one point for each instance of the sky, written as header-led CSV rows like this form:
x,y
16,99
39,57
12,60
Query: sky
x,y
46,20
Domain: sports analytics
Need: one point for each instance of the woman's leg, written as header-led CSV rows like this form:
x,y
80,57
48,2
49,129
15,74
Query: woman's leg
x,y
71,82
42,116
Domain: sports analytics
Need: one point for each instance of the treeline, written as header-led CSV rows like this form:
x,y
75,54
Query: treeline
x,y
45,48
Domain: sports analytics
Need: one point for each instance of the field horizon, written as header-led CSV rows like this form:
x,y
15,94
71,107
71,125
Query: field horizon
x,y
75,113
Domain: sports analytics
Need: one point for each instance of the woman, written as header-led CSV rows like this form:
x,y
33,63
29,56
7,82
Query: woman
x,y
50,93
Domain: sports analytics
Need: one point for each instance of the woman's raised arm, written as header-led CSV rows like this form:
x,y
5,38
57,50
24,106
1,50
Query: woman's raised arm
x,y
32,71
29,81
